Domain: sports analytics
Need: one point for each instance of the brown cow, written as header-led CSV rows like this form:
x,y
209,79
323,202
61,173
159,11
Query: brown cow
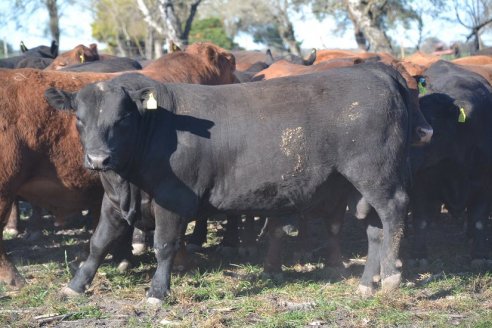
x,y
484,70
324,55
283,68
79,54
473,60
422,59
42,156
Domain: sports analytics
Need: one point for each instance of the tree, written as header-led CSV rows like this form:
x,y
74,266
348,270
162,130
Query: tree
x,y
120,25
268,21
210,29
166,17
370,18
31,6
475,15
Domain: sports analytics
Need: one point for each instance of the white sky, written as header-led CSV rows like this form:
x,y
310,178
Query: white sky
x,y
76,29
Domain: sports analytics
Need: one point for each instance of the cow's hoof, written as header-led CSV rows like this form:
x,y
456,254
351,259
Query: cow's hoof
x,y
274,276
33,236
154,301
12,232
366,291
193,248
391,283
138,249
478,263
124,266
227,251
69,292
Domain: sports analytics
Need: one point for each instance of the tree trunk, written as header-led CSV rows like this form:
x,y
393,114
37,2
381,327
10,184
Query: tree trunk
x,y
364,16
149,43
189,21
54,19
286,31
157,48
172,24
361,40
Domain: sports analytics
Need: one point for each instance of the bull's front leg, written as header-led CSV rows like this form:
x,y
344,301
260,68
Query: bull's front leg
x,y
8,272
111,229
169,230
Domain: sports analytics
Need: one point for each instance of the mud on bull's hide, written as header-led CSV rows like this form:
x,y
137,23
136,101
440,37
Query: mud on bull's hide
x,y
293,144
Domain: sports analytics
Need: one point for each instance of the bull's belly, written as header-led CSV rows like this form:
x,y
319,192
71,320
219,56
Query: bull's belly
x,y
52,194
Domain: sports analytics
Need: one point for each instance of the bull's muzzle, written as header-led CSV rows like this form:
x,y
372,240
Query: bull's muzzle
x,y
98,162
424,135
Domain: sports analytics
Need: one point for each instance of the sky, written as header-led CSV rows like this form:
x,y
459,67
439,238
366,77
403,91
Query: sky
x,y
76,29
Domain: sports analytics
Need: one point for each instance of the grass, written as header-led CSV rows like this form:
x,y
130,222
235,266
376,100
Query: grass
x,y
220,292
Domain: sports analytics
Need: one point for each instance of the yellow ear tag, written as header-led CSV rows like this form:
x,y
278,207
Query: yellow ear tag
x,y
82,59
151,103
462,117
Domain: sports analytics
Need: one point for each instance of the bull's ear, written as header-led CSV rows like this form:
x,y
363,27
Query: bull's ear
x,y
311,59
60,99
145,99
23,47
269,60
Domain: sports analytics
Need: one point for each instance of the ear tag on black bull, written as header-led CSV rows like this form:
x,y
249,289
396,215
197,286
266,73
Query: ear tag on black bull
x,y
462,117
151,103
422,86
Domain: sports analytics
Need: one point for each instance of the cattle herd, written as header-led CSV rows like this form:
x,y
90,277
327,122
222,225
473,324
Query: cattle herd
x,y
204,132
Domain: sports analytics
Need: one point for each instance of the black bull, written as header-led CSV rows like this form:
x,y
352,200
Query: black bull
x,y
269,148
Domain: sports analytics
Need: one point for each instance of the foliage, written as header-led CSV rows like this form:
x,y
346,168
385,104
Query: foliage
x,y
210,29
118,21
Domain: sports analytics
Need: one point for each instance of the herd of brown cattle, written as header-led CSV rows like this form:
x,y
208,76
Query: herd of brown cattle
x,y
41,154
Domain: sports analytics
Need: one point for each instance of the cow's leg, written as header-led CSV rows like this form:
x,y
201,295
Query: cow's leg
x,y
231,236
248,237
392,212
273,258
34,225
8,272
199,235
478,211
334,225
169,230
372,268
423,212
12,223
111,228
139,241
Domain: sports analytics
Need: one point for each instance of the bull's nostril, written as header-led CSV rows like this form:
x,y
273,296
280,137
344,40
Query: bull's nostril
x,y
98,161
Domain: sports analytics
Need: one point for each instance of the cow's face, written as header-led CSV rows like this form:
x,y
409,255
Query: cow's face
x,y
107,120
444,115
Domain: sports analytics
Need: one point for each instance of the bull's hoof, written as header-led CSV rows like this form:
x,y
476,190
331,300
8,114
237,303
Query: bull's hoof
x,y
248,251
154,301
193,248
124,266
69,292
12,278
138,249
12,232
366,291
391,283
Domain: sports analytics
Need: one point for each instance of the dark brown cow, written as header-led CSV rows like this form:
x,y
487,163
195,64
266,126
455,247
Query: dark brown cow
x,y
41,153
79,54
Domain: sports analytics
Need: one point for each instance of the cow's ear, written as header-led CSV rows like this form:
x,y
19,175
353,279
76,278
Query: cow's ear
x,y
54,48
23,47
269,60
145,99
60,99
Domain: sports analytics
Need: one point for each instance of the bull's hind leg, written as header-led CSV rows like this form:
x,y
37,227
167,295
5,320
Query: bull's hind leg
x,y
8,272
109,231
390,201
12,223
